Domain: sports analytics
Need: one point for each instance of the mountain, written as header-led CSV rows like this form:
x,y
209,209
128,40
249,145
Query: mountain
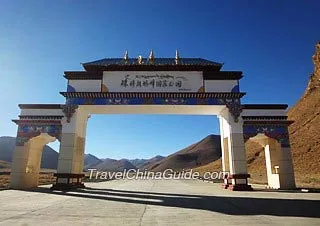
x,y
114,165
49,158
304,132
90,161
201,153
107,164
138,162
142,163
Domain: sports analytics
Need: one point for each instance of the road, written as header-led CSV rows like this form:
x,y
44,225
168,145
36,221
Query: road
x,y
157,202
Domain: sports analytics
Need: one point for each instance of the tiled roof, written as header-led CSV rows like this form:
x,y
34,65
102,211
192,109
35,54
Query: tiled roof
x,y
156,61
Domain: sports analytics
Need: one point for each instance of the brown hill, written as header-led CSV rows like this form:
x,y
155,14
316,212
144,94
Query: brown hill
x,y
197,154
304,132
255,160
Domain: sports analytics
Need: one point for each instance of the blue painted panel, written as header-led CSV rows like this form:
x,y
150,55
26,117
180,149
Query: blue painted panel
x,y
235,89
142,101
70,89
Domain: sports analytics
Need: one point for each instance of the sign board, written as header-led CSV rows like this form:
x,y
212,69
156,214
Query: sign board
x,y
152,81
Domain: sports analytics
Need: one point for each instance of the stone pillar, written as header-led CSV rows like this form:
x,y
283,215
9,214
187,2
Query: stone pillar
x,y
71,154
26,162
234,152
224,151
279,164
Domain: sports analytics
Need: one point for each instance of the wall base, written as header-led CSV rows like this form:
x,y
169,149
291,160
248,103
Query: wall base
x,y
237,182
240,187
68,181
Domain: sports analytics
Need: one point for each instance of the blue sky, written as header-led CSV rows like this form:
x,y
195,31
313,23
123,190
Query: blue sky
x,y
270,41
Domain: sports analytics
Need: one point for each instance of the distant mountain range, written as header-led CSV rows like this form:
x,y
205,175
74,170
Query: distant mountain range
x,y
91,161
49,159
200,153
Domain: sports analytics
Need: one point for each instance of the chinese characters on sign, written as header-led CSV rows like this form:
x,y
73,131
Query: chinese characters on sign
x,y
154,81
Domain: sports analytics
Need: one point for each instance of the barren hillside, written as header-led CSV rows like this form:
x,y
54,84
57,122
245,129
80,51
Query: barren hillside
x,y
304,132
200,153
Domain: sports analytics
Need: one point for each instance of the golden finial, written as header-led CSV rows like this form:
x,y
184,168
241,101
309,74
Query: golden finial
x,y
151,56
126,56
177,57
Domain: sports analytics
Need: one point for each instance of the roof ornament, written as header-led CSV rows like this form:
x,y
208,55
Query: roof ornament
x,y
177,58
126,56
151,56
140,59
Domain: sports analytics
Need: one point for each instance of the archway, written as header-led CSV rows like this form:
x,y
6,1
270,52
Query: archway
x,y
27,160
152,86
279,165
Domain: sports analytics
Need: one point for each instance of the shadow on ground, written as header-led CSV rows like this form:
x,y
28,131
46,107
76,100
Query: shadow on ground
x,y
222,204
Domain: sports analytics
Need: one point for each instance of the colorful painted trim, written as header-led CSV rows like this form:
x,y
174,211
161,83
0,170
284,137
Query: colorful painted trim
x,y
152,95
143,101
28,129
273,130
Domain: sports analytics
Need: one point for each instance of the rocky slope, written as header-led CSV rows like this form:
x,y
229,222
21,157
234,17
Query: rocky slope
x,y
304,132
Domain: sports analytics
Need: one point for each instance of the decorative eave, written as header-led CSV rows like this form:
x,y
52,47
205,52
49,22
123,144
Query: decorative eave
x,y
37,121
40,106
40,117
264,118
265,106
230,95
83,75
268,122
222,75
207,75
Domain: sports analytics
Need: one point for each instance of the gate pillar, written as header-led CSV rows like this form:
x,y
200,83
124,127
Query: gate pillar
x,y
233,152
72,146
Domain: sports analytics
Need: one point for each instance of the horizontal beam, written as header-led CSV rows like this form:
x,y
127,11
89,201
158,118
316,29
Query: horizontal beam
x,y
227,95
265,106
40,106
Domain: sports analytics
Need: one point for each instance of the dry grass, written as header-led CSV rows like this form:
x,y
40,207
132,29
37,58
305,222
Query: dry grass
x,y
44,178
